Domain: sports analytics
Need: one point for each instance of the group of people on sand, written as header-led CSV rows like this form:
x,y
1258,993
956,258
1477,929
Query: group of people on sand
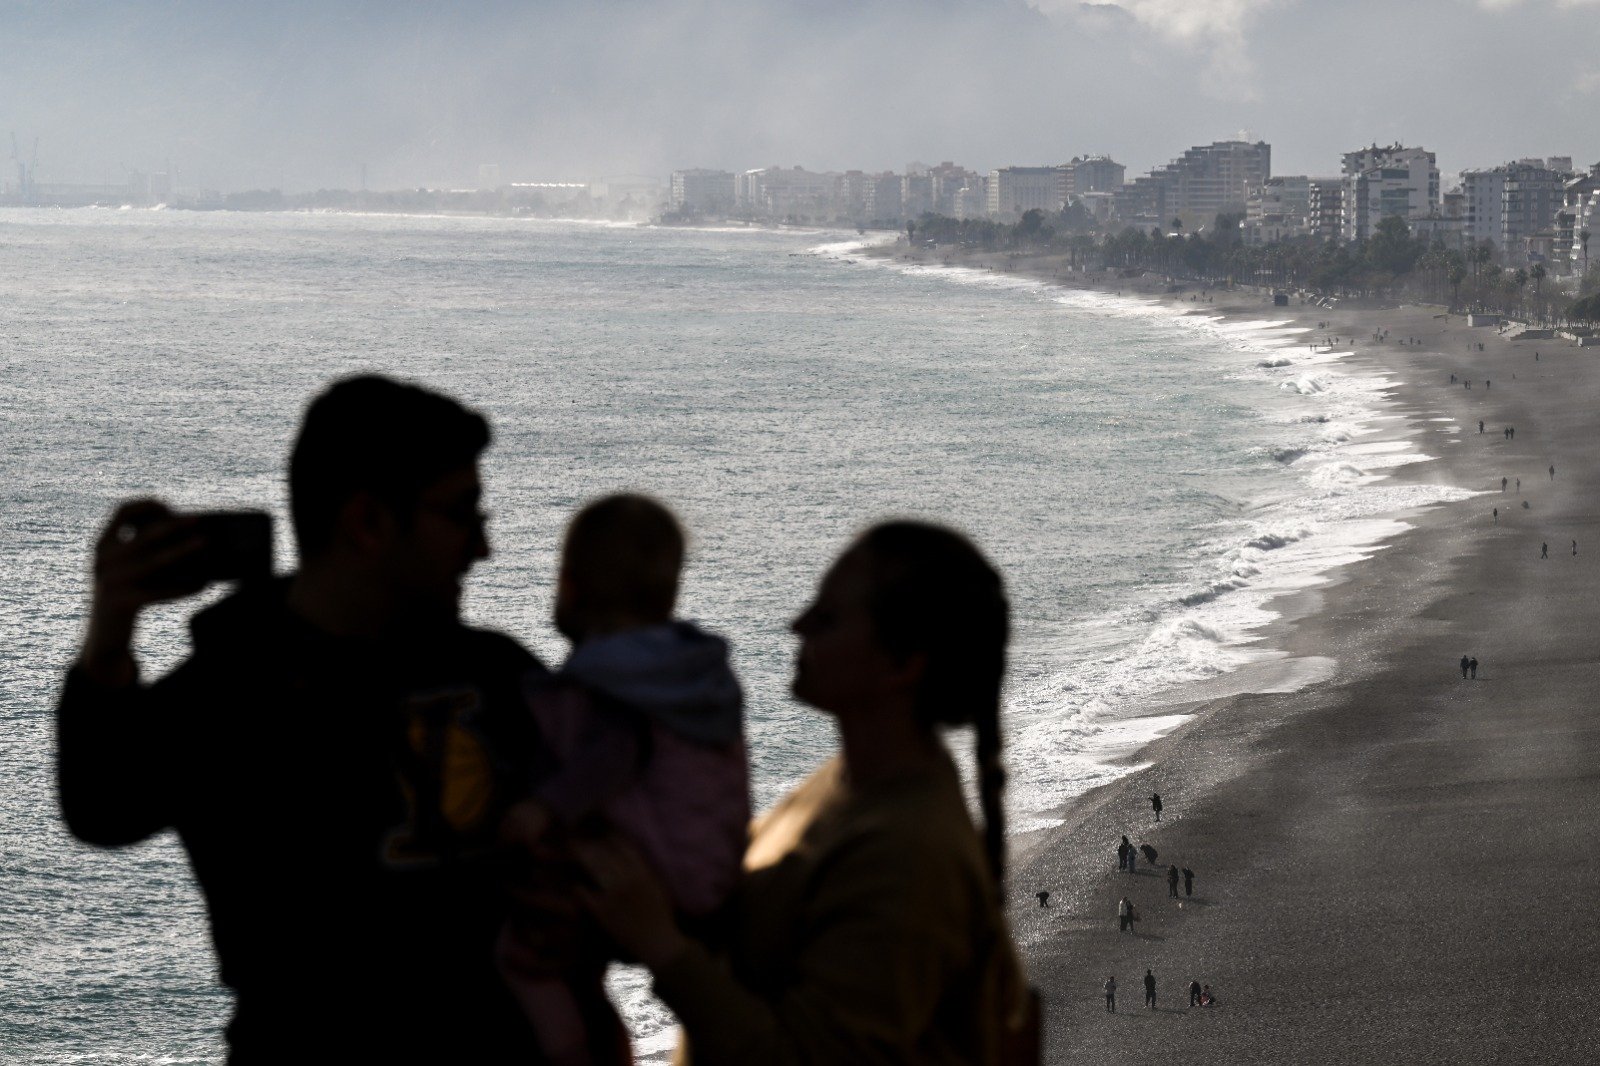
x,y
418,843
1199,994
1128,913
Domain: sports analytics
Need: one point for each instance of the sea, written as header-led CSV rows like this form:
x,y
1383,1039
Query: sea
x,y
1151,479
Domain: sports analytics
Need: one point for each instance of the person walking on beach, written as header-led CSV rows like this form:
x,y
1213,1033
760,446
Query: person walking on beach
x,y
1466,664
1206,998
1503,484
1124,915
1133,859
1574,547
1552,471
1544,551
1111,994
1473,666
1480,425
1172,882
1519,480
1194,993
1122,854
1150,989
1497,516
1155,804
1044,898
1188,881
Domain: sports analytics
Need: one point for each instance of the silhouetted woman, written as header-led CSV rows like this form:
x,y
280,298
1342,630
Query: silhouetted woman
x,y
867,928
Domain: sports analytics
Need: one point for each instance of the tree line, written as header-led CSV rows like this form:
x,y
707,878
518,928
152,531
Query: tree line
x,y
1392,263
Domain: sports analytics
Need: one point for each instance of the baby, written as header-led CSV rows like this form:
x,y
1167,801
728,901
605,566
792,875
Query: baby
x,y
644,725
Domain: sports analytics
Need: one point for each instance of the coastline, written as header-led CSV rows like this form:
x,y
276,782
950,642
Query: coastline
x,y
1381,852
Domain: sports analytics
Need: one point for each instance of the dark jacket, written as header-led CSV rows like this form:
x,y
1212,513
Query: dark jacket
x,y
338,800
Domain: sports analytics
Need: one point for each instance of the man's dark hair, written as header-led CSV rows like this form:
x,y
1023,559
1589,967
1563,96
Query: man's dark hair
x,y
374,434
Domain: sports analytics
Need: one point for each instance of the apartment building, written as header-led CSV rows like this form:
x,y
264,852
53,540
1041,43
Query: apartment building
x,y
1512,204
1094,173
1324,200
1579,214
774,192
1279,209
1205,181
1380,183
707,191
1015,190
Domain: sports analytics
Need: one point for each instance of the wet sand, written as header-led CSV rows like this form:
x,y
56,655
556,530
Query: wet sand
x,y
1393,863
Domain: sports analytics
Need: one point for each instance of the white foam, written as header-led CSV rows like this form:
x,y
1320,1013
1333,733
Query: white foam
x,y
1071,732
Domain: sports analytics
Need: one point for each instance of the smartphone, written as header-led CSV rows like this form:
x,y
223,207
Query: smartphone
x,y
238,546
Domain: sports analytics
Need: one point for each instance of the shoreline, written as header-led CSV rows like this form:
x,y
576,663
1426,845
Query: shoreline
x,y
1280,583
1381,852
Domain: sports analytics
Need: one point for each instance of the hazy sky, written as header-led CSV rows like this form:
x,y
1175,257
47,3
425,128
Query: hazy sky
x,y
301,94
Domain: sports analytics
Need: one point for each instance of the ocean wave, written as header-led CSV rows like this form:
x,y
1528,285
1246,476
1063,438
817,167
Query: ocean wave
x,y
1267,542
1273,364
1287,455
1305,386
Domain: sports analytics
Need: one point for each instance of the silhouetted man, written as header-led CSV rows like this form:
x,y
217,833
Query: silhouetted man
x,y
1188,881
1150,989
1155,804
336,751
1466,664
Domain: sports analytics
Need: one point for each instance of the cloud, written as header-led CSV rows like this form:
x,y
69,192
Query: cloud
x,y
1220,30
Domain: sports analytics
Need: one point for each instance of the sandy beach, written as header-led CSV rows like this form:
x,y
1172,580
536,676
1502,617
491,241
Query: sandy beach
x,y
1392,863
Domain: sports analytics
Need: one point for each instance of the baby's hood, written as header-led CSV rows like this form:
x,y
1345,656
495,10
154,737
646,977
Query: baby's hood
x,y
675,673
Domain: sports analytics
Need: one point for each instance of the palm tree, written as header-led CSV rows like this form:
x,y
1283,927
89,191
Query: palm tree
x,y
1458,274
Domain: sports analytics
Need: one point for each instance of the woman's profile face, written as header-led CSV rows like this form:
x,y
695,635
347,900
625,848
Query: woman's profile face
x,y
840,665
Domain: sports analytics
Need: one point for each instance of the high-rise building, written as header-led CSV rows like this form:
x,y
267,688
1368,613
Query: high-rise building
x,y
773,192
1014,191
883,197
1323,202
1379,183
1511,204
1579,214
1205,181
949,181
1095,173
916,194
706,191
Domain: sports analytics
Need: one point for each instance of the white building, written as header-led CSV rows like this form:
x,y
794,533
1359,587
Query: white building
x,y
1381,183
1580,213
773,192
706,191
1205,181
1513,204
1016,190
1278,210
